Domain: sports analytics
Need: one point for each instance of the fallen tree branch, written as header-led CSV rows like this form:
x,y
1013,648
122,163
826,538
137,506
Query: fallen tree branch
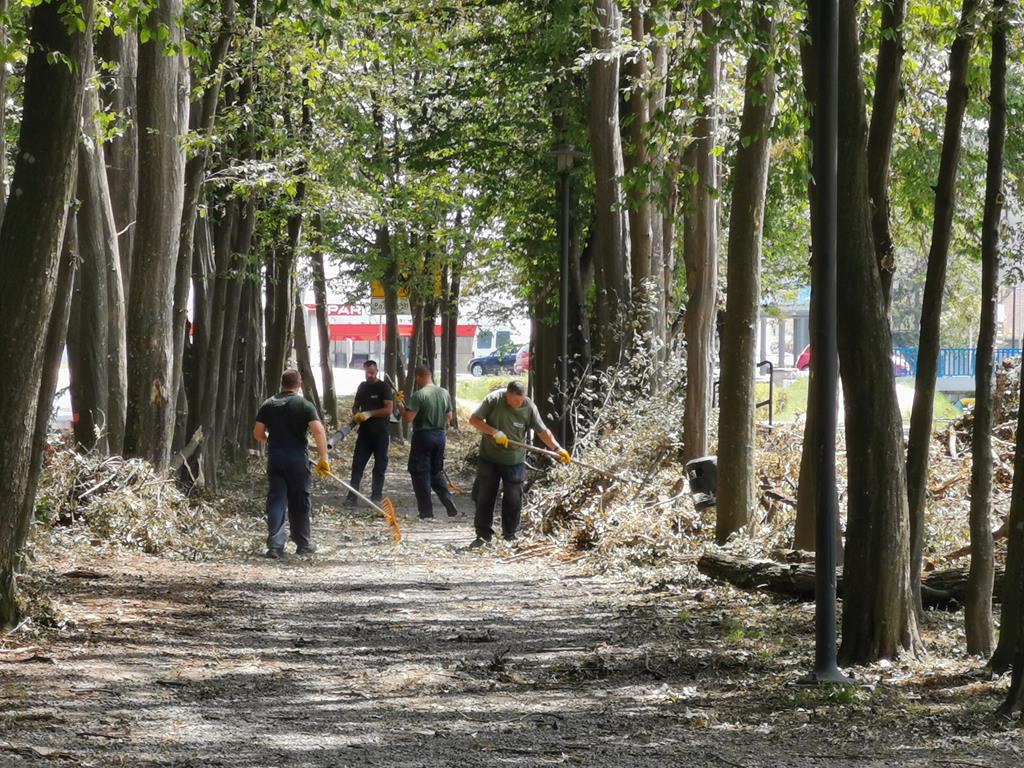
x,y
944,589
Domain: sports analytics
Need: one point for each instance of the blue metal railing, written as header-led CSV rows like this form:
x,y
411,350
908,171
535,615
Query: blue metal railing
x,y
953,361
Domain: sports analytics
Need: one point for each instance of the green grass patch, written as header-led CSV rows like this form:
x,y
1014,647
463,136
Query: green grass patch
x,y
791,400
475,390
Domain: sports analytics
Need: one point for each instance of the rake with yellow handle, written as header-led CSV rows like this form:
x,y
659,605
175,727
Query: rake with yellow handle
x,y
386,507
554,455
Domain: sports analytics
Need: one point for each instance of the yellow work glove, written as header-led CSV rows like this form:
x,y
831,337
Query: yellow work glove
x,y
563,456
500,438
362,416
400,397
323,468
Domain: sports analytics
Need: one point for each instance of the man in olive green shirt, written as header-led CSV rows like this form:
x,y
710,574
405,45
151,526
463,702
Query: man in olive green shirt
x,y
430,411
505,415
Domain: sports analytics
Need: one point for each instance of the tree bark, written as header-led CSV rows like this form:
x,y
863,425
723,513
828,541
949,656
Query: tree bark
x,y
101,318
390,281
323,327
946,590
978,613
737,494
120,54
879,620
935,283
152,389
641,211
202,115
700,254
612,248
880,134
30,247
302,356
55,340
3,113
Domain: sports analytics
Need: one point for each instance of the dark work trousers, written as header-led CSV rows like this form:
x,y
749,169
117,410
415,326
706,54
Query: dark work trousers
x,y
426,465
488,476
289,483
371,444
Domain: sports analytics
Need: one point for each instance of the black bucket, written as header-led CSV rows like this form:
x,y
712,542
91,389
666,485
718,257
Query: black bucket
x,y
702,474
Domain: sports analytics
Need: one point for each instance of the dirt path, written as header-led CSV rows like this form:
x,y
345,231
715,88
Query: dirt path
x,y
425,654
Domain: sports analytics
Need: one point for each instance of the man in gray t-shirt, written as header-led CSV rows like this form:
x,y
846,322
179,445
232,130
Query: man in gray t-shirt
x,y
505,415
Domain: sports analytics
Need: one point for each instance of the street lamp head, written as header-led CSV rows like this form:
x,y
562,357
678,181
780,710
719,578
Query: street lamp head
x,y
565,154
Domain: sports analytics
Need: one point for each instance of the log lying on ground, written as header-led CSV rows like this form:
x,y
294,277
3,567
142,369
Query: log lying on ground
x,y
944,589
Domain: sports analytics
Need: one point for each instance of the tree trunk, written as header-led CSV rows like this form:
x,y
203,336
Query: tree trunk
x,y
305,362
612,249
659,214
3,112
55,337
152,389
945,590
641,211
452,285
879,620
737,492
102,369
700,253
30,247
979,597
391,338
120,55
935,284
880,133
202,114
323,328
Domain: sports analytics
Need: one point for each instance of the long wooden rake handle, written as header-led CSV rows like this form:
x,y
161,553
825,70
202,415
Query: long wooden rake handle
x,y
389,518
556,457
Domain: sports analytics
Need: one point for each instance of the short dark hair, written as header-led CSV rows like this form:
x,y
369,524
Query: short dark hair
x,y
290,379
516,388
422,370
368,363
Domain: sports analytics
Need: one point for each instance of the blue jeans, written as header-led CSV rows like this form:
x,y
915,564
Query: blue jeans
x,y
488,477
289,484
426,466
367,445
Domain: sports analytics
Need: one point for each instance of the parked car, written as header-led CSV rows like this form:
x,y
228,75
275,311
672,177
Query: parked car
x,y
900,365
523,359
502,360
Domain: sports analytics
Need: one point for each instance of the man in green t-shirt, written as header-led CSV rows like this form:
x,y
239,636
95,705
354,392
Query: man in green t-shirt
x,y
430,411
505,415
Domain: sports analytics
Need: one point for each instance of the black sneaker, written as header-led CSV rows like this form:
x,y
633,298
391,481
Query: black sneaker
x,y
453,511
377,498
426,518
478,543
274,553
309,549
350,501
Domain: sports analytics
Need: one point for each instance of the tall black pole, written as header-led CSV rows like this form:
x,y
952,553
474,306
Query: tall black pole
x,y
563,299
824,360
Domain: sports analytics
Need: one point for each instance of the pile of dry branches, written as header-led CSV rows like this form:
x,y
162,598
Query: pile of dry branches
x,y
111,501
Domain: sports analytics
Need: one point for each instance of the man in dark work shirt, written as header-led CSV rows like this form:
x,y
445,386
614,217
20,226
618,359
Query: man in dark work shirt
x,y
372,412
281,424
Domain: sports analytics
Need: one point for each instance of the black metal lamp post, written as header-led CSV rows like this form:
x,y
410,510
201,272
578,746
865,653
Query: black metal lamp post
x,y
564,154
824,361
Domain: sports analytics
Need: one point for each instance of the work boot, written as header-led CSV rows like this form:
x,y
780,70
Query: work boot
x,y
307,550
449,505
426,518
350,501
478,543
376,498
275,553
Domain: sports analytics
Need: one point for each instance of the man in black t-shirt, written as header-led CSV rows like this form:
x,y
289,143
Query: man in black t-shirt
x,y
281,424
372,412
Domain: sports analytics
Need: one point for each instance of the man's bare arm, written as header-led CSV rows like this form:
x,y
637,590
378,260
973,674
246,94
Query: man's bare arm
x,y
320,435
259,433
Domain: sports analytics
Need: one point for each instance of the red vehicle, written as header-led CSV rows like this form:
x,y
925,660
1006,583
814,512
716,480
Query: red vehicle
x,y
900,365
523,359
